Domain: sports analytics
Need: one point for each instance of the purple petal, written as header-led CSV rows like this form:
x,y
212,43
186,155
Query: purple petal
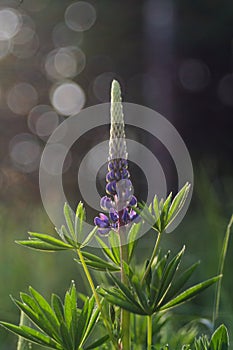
x,y
104,231
123,163
102,221
125,216
113,215
106,203
125,174
134,217
133,201
111,188
117,175
110,176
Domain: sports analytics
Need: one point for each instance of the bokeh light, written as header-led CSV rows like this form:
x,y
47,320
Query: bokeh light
x,y
43,120
10,22
63,36
21,98
80,16
65,62
225,90
5,45
25,152
26,32
27,49
52,163
67,98
194,75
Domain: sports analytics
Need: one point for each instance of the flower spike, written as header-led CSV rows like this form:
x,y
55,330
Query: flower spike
x,y
118,187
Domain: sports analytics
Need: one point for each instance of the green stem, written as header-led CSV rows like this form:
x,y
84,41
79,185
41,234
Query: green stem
x,y
153,256
220,270
149,332
91,283
125,315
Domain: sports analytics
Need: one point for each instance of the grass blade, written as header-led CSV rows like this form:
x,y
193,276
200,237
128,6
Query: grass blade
x,y
220,271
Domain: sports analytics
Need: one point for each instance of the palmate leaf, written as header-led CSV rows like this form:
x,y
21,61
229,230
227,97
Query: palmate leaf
x,y
167,278
159,215
121,301
37,318
61,326
32,335
180,281
188,294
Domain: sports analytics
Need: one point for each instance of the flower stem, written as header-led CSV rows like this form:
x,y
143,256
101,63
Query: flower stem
x,y
91,283
125,315
149,332
152,256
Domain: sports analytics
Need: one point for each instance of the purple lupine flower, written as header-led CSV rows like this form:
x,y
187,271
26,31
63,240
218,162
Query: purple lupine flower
x,y
120,200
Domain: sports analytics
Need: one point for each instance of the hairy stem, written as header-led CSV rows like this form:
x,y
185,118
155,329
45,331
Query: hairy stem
x,y
125,315
97,299
149,332
152,256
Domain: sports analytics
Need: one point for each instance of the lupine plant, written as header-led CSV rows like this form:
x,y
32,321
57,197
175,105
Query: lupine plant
x,y
133,304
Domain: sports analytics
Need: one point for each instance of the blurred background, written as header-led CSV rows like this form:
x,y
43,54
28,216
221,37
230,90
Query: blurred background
x,y
58,57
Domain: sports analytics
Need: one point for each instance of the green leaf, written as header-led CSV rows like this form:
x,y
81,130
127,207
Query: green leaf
x,y
124,290
82,323
164,211
57,307
36,317
145,212
66,339
68,311
178,203
107,251
97,343
80,216
189,293
114,243
220,339
180,281
39,245
115,299
89,237
98,263
155,206
143,298
51,240
46,310
32,335
70,219
92,317
132,239
168,276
